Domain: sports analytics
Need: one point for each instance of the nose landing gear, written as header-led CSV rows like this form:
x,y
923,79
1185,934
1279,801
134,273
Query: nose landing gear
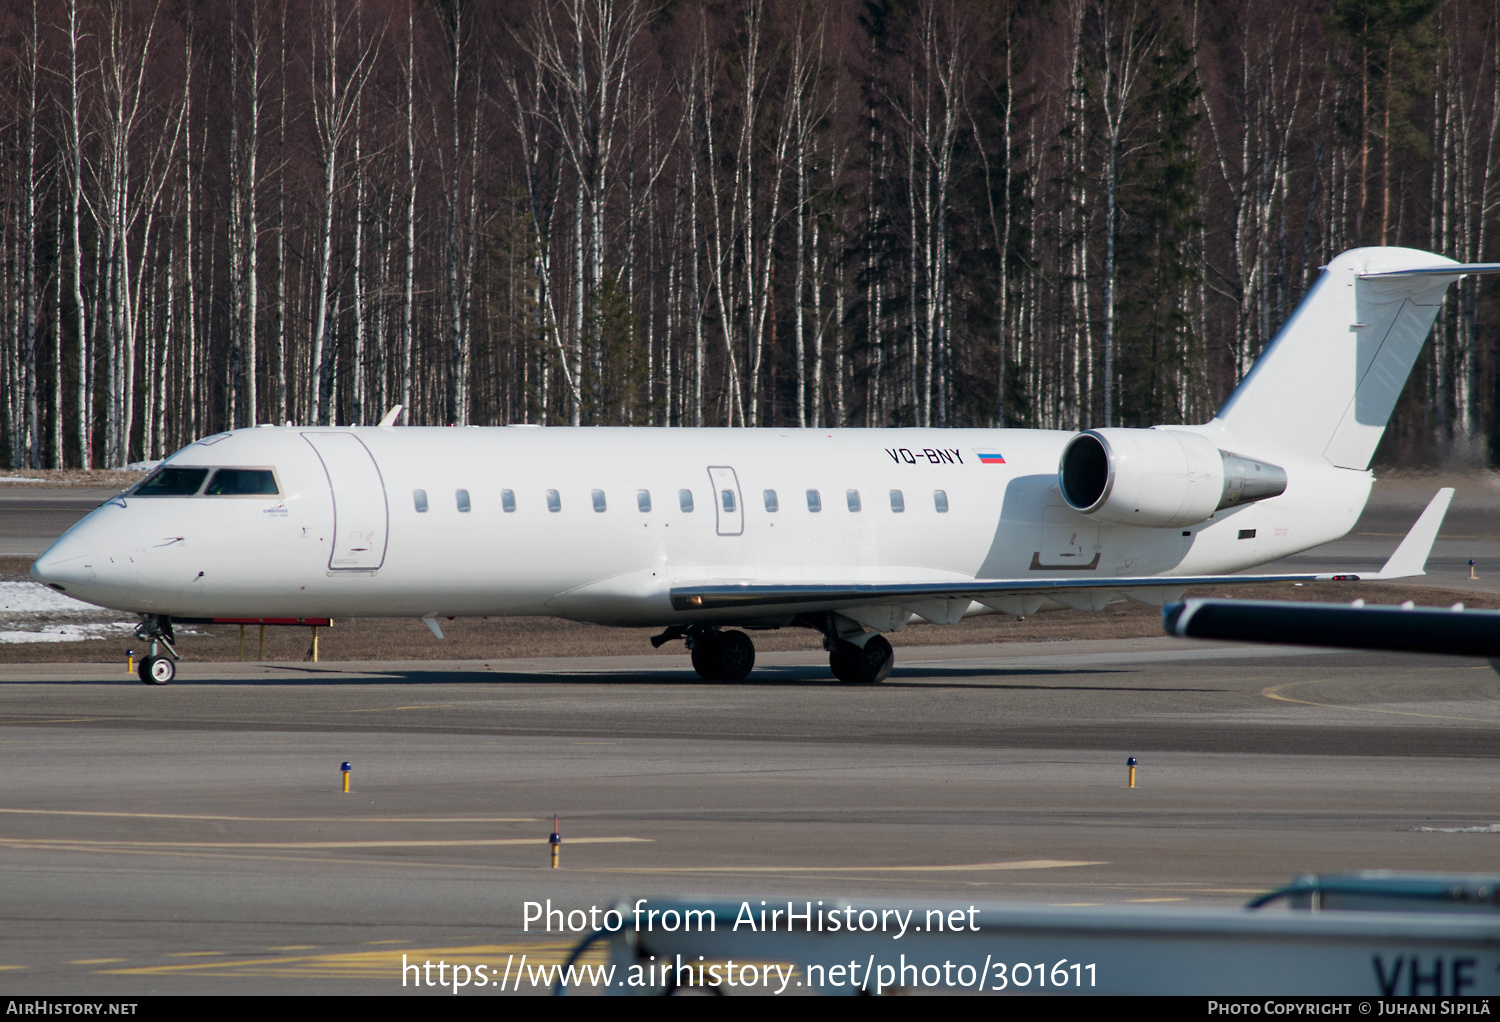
x,y
157,670
154,668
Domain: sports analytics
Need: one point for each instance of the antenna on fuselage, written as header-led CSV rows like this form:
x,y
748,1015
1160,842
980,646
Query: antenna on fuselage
x,y
390,417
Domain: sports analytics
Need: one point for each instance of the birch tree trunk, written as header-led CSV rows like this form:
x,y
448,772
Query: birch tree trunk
x,y
83,410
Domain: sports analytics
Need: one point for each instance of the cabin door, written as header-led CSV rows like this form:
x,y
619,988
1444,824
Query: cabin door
x,y
360,515
729,509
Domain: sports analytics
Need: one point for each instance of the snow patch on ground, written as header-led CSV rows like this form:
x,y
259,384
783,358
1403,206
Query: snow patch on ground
x,y
35,598
20,479
1493,828
70,633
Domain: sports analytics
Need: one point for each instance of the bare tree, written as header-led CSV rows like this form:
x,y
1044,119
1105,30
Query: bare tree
x,y
1127,39
335,98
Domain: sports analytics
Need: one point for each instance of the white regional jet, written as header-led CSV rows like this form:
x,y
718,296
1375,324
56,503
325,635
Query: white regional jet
x,y
850,532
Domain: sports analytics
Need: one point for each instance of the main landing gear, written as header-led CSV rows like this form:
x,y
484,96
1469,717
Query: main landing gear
x,y
717,656
860,665
155,669
721,656
855,657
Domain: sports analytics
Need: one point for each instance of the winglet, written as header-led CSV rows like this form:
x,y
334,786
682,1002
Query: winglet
x,y
1410,557
391,417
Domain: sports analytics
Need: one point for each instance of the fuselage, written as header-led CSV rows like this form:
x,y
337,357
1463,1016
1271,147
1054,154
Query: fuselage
x,y
598,524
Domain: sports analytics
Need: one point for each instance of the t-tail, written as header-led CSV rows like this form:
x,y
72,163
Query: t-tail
x,y
1328,382
1318,399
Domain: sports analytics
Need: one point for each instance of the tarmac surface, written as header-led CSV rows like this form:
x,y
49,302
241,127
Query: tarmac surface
x,y
32,516
195,838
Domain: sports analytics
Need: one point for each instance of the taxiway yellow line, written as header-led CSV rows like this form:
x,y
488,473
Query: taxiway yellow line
x,y
1274,692
87,844
973,867
334,860
279,819
358,963
57,720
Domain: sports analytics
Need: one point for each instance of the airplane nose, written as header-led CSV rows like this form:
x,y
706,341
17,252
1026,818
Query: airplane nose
x,y
65,563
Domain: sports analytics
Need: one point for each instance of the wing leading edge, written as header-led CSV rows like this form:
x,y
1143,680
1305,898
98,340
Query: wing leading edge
x,y
1409,559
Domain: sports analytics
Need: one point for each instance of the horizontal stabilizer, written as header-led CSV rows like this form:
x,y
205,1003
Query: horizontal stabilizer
x,y
1450,270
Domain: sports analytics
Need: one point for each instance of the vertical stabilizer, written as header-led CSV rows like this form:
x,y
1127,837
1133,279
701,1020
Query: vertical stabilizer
x,y
1329,381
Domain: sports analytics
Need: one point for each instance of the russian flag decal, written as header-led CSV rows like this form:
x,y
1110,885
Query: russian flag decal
x,y
990,457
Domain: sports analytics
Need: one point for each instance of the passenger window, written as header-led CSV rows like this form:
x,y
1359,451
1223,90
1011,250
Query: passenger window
x,y
507,501
727,497
172,482
685,499
419,498
898,502
599,500
771,504
242,482
463,500
853,497
643,500
554,502
814,502
940,501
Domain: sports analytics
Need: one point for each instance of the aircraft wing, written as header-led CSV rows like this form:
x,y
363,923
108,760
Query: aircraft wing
x,y
1410,558
1452,630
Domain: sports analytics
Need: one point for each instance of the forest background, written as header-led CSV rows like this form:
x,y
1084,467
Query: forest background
x,y
760,213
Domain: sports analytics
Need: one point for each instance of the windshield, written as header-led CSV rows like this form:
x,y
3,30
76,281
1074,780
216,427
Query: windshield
x,y
171,482
237,482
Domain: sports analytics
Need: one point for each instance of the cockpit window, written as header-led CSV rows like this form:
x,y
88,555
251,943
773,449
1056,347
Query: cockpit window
x,y
172,482
242,482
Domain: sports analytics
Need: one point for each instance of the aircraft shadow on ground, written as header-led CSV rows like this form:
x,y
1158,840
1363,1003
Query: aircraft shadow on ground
x,y
910,678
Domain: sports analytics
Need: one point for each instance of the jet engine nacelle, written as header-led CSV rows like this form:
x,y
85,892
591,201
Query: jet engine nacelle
x,y
1159,477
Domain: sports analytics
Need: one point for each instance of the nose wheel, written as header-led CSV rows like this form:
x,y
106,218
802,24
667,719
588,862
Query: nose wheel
x,y
157,670
154,668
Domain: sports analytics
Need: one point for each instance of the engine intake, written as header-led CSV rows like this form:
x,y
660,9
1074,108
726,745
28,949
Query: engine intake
x,y
1159,477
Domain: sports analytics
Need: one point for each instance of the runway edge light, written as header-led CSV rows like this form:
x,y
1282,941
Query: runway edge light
x,y
555,840
1131,764
344,769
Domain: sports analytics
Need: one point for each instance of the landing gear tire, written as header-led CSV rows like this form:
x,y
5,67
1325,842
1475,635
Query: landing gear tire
x,y
157,670
703,658
727,656
865,665
736,656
